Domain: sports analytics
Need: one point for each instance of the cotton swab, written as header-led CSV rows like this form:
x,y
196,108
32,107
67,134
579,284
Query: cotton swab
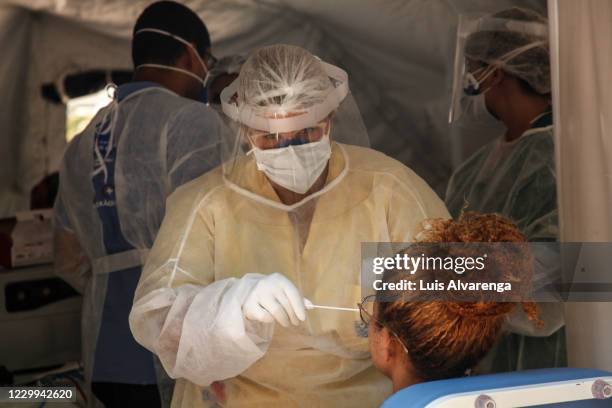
x,y
309,306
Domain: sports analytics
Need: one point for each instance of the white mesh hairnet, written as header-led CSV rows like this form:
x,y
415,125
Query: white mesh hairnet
x,y
498,40
284,88
282,79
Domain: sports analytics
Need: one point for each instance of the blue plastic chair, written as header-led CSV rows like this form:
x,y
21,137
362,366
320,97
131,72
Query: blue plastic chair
x,y
556,387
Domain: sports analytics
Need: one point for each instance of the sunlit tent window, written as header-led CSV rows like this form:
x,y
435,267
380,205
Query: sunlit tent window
x,y
82,109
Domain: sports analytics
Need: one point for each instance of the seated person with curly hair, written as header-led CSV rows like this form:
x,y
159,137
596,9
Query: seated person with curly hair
x,y
419,341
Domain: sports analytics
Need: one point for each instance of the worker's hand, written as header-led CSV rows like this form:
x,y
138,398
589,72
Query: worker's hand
x,y
274,297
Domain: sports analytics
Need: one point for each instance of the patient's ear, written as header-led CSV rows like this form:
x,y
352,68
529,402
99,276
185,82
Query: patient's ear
x,y
387,344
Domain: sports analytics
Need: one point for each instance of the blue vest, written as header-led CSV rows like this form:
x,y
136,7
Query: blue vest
x,y
118,358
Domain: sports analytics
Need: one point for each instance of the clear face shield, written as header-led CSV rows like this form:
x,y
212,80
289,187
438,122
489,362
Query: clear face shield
x,y
485,44
291,140
224,72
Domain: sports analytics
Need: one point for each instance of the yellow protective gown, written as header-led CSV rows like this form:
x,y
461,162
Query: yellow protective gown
x,y
220,230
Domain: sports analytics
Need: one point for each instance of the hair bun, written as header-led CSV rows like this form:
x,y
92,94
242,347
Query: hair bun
x,y
493,310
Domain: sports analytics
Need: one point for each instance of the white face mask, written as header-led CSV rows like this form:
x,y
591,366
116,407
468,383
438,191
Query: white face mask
x,y
204,81
475,108
295,168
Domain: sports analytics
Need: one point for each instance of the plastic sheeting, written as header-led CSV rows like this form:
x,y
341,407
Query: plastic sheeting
x,y
583,106
398,55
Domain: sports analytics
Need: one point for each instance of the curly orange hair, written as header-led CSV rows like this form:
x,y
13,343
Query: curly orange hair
x,y
444,339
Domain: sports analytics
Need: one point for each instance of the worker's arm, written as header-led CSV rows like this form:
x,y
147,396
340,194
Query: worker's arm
x,y
193,323
71,263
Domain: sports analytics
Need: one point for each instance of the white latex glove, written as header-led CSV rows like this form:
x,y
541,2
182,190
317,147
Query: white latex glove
x,y
275,298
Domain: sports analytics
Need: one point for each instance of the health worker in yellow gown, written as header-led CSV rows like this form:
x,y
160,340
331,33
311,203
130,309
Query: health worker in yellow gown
x,y
221,297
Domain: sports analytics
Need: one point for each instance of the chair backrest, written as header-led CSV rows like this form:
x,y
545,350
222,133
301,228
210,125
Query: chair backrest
x,y
555,387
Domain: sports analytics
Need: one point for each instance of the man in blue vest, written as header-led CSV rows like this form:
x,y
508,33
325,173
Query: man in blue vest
x,y
115,176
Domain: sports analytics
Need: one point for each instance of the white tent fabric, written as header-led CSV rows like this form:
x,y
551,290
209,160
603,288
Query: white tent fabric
x,y
583,130
398,55
43,48
14,37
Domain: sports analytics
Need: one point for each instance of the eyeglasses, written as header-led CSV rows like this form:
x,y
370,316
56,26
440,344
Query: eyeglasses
x,y
264,140
366,313
366,309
